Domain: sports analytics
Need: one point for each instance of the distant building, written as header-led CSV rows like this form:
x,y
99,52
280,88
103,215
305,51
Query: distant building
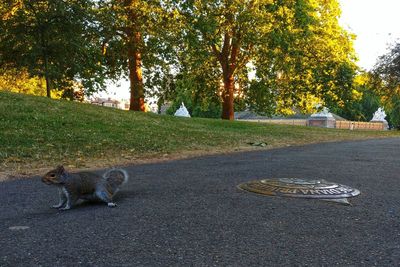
x,y
123,104
106,102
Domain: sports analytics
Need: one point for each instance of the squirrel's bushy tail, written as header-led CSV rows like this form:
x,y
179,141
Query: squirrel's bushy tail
x,y
116,178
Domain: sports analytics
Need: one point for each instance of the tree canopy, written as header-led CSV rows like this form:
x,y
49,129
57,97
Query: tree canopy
x,y
388,70
387,84
52,39
307,55
270,56
134,46
298,50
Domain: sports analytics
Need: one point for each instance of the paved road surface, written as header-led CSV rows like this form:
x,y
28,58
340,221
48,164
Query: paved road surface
x,y
190,213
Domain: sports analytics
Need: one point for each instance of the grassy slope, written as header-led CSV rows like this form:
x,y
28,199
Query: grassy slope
x,y
36,132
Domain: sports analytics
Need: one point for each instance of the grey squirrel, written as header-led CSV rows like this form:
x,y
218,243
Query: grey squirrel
x,y
85,185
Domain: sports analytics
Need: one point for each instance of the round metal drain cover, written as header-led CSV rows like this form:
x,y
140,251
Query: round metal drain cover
x,y
301,188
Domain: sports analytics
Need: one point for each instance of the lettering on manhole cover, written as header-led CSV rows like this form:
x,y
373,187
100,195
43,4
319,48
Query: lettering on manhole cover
x,y
301,188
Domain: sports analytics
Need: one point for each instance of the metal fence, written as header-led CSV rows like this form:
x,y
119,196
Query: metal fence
x,y
350,125
358,125
299,122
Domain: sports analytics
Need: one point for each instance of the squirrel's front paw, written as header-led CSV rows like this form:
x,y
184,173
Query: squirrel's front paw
x,y
57,206
65,208
111,204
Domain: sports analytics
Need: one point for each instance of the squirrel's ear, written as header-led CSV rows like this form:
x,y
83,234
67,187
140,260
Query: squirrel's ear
x,y
60,169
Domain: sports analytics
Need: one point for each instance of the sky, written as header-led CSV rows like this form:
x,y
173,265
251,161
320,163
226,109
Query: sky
x,y
376,24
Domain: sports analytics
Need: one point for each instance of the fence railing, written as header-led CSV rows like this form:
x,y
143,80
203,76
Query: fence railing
x,y
299,122
350,125
359,125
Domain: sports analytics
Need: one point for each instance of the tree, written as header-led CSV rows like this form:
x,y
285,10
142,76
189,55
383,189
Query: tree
x,y
387,72
52,39
296,47
227,31
193,91
133,32
21,82
308,58
394,112
364,100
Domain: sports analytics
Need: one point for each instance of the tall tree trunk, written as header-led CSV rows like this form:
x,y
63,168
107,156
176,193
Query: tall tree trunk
x,y
46,76
48,87
227,57
135,72
134,38
45,59
227,97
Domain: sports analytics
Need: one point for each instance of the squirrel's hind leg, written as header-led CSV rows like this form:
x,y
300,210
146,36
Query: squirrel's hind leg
x,y
105,196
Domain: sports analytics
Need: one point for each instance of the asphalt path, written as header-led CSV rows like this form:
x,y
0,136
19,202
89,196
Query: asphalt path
x,y
190,213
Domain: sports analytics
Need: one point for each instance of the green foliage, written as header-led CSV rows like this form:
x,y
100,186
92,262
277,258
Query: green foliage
x,y
198,99
188,50
52,39
361,106
388,71
20,82
369,103
120,22
308,53
260,97
387,82
224,34
298,49
394,112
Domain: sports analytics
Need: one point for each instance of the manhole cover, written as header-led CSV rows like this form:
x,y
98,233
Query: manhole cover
x,y
301,188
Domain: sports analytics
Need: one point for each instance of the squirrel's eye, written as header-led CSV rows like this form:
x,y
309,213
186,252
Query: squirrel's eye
x,y
52,175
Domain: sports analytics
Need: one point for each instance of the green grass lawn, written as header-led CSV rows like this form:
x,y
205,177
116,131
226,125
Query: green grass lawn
x,y
38,133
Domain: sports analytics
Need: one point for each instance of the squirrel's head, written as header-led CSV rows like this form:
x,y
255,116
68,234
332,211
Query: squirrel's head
x,y
55,177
